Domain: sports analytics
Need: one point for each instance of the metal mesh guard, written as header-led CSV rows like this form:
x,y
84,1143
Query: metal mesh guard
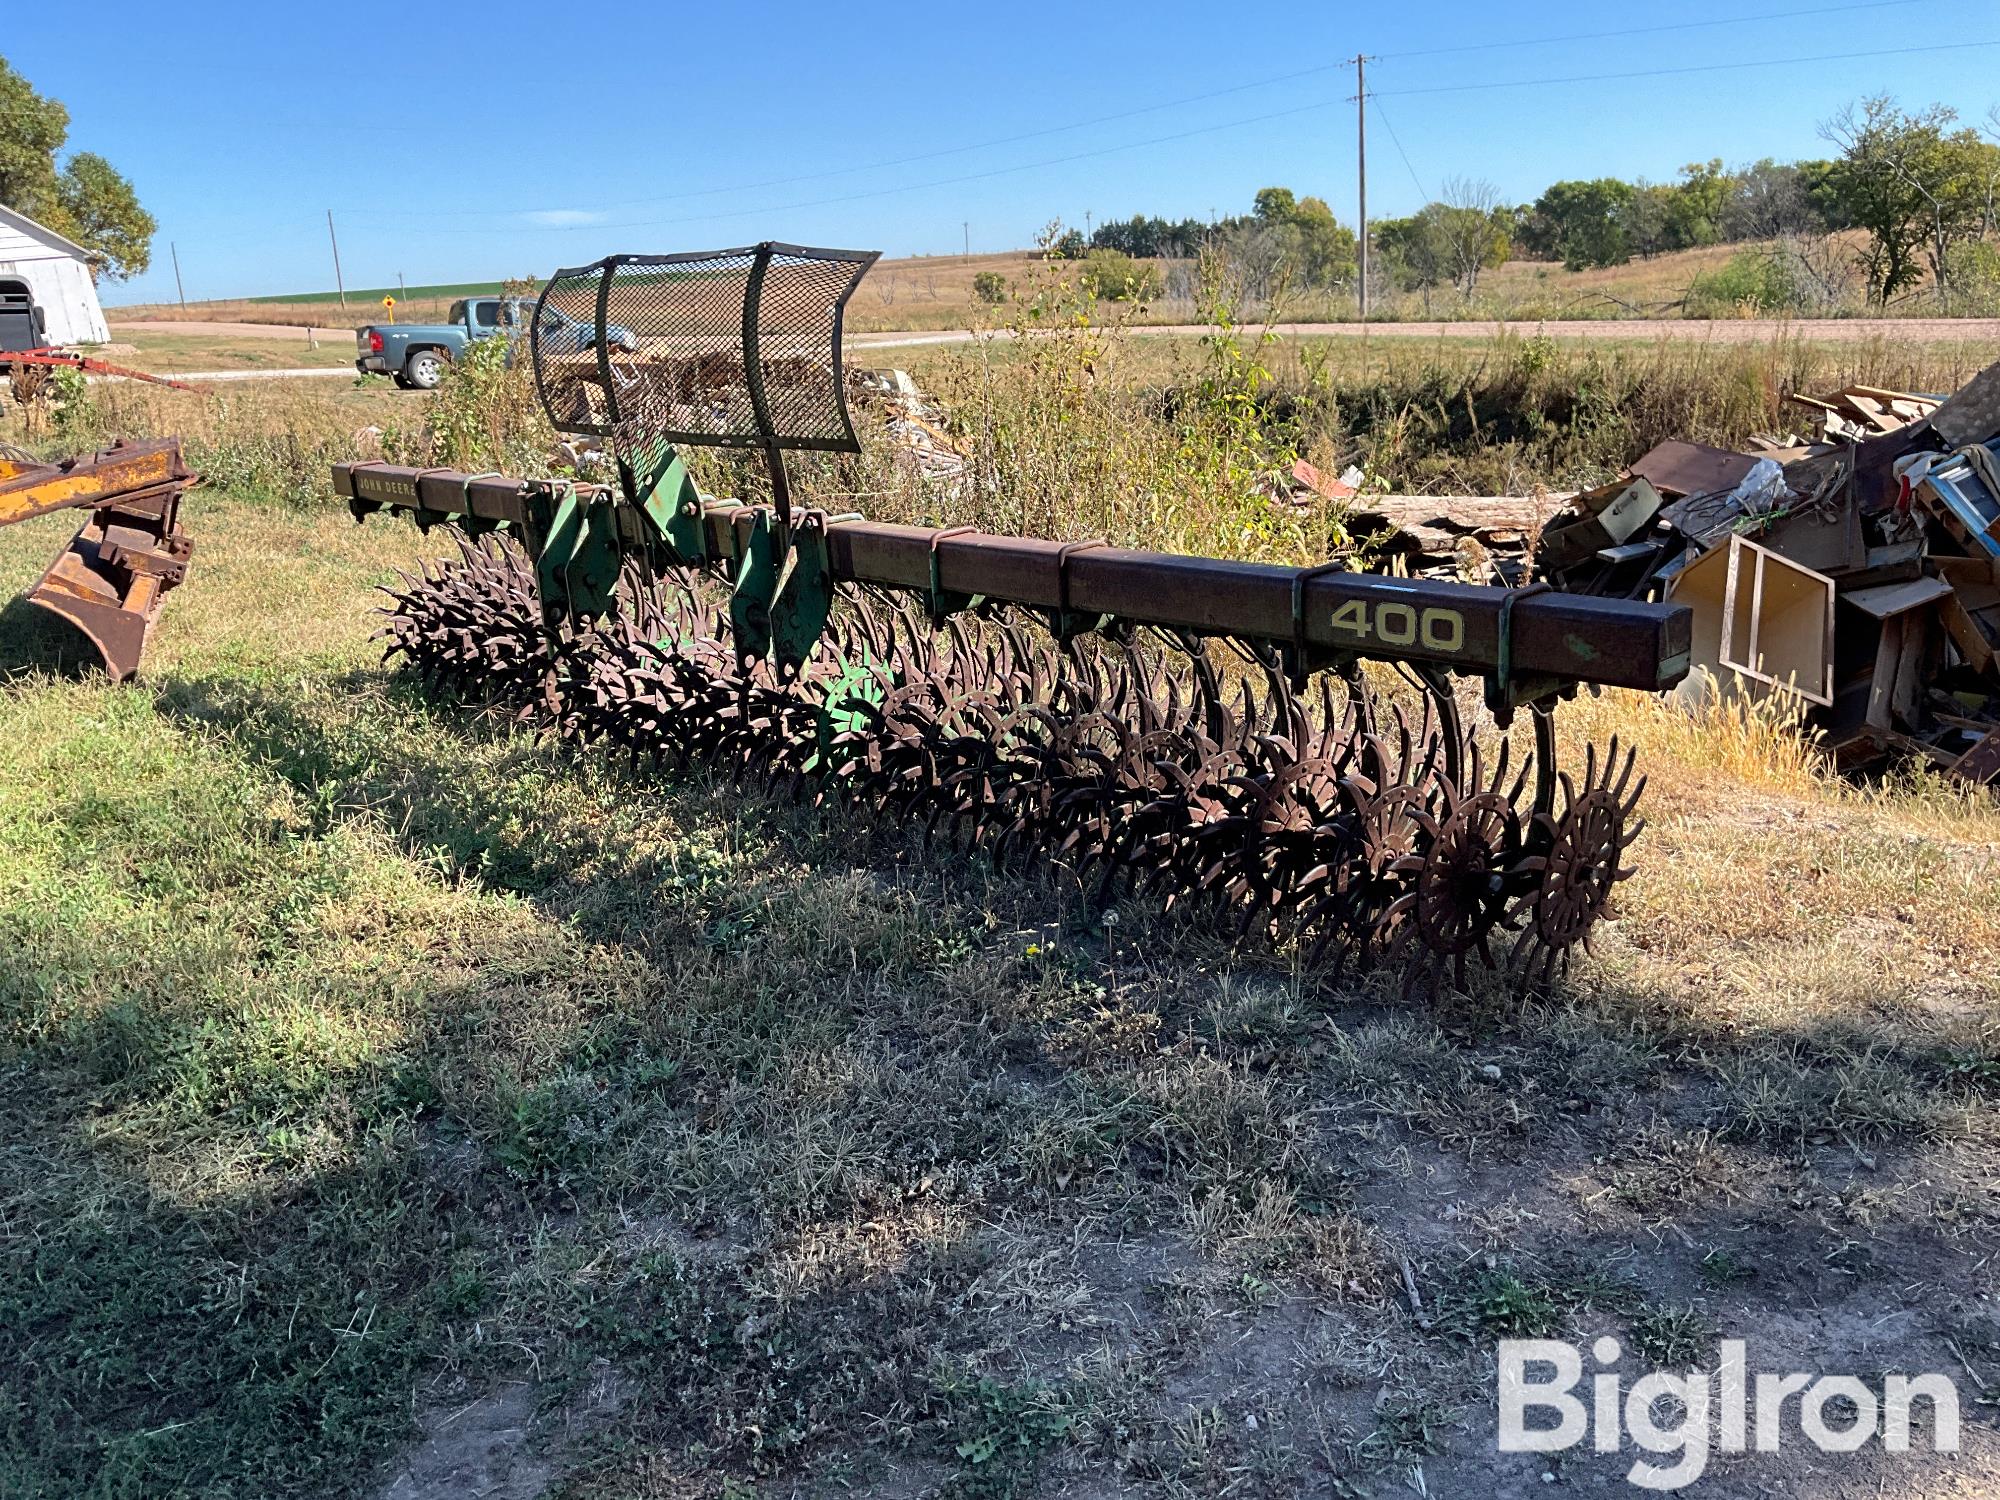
x,y
722,348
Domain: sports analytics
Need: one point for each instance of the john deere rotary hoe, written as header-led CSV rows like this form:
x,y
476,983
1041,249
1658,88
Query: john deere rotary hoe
x,y
1195,729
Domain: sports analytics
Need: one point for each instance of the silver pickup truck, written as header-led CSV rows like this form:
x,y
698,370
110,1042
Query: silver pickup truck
x,y
418,354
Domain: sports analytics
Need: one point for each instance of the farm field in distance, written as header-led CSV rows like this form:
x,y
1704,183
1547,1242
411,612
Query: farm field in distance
x,y
398,1103
937,292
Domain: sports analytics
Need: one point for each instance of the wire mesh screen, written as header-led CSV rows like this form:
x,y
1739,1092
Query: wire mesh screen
x,y
729,348
568,368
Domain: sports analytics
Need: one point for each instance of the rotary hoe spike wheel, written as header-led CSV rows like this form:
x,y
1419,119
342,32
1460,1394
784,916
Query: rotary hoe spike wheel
x,y
1458,893
1575,861
1329,821
1134,723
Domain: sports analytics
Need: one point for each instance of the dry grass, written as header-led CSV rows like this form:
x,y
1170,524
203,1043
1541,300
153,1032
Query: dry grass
x,y
315,314
181,353
917,292
933,292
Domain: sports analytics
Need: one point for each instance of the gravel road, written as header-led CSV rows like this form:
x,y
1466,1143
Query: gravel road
x,y
1731,331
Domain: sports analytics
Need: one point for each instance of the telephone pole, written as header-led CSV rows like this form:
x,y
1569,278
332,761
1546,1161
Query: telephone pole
x,y
339,285
1361,168
179,290
966,225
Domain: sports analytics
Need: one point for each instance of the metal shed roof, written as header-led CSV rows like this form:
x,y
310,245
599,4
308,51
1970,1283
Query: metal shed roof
x,y
48,236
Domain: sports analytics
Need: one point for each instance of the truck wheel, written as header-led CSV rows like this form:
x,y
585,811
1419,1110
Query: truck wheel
x,y
425,369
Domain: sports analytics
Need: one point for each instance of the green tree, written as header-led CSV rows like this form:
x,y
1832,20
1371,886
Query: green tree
x,y
1918,187
1275,205
1411,253
1646,220
1327,251
1448,242
84,198
1588,221
1477,233
32,130
1695,205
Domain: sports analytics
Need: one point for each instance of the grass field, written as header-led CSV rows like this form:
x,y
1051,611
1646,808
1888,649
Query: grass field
x,y
916,293
369,296
393,1104
933,292
927,293
177,353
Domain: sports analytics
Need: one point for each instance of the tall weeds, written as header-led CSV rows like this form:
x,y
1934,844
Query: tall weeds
x,y
1079,427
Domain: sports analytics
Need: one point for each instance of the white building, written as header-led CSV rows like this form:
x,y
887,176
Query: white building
x,y
39,266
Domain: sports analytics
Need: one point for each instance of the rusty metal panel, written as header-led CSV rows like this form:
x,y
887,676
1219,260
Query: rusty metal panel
x,y
1677,469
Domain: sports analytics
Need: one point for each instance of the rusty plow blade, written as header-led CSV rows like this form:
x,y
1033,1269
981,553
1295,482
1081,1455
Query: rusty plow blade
x,y
130,552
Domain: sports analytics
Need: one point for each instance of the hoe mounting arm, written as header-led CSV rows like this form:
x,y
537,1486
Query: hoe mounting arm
x,y
1526,643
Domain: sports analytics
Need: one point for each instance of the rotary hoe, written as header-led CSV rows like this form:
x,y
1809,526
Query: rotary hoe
x,y
1195,731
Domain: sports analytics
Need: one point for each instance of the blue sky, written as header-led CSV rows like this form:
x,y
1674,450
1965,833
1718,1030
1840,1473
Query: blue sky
x,y
465,142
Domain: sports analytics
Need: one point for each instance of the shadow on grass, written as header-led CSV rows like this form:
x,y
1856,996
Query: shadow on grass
x,y
317,1312
482,815
35,640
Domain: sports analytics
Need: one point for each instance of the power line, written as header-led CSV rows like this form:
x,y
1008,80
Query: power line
x,y
1201,130
915,187
1728,67
1164,104
1383,115
922,156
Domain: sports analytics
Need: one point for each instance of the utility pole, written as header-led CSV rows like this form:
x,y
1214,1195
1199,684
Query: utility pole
x,y
402,292
966,225
1361,167
339,285
179,290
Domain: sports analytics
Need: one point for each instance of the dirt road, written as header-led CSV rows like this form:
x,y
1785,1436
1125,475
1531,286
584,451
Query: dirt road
x,y
1732,331
1741,331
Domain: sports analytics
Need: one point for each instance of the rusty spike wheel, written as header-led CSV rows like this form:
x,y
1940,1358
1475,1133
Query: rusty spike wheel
x,y
1575,860
1344,826
1458,891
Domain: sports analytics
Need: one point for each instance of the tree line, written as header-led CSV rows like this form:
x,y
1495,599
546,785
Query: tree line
x,y
1920,191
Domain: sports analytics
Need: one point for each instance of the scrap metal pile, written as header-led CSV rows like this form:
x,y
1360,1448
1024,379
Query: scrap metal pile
x,y
1855,575
1858,574
131,551
1199,731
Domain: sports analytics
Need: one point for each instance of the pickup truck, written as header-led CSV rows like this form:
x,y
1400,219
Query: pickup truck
x,y
417,354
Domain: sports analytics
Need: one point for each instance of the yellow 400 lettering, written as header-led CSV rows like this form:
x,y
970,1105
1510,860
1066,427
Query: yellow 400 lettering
x,y
1397,624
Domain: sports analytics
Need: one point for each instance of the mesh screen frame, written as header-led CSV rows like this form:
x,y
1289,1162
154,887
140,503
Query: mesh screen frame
x,y
602,392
